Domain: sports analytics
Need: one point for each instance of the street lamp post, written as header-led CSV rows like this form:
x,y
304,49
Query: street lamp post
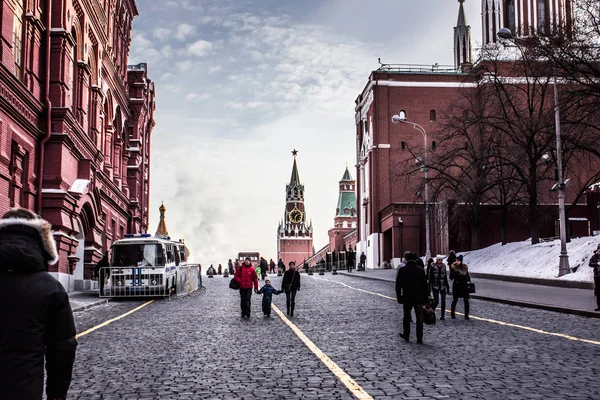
x,y
396,119
563,263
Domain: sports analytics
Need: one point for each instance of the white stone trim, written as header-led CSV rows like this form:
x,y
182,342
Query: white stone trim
x,y
65,279
427,84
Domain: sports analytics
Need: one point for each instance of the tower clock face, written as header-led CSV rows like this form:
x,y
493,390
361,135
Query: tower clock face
x,y
295,216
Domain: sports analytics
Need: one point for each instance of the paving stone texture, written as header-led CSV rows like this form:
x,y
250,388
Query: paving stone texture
x,y
198,347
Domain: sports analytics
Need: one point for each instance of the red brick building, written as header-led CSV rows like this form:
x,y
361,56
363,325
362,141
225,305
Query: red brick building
x,y
75,125
294,234
391,209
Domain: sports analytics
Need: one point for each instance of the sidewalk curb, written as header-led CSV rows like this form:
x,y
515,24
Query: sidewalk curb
x,y
558,309
535,281
90,305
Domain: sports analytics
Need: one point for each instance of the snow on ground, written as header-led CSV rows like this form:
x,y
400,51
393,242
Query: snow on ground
x,y
534,261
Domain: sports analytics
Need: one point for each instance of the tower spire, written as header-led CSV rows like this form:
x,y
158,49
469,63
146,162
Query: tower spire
x,y
295,179
462,40
162,231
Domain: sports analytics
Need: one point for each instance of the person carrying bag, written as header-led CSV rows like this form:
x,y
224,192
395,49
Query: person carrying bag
x,y
290,285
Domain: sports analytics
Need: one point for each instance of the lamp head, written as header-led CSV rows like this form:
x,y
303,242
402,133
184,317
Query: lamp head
x,y
396,119
505,33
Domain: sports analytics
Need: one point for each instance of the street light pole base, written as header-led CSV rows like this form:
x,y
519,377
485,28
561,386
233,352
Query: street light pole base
x,y
563,264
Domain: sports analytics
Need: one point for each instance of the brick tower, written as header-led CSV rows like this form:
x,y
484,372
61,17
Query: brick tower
x,y
345,213
294,235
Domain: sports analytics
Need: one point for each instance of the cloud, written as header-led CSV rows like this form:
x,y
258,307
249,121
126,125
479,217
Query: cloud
x,y
184,65
197,97
199,48
184,31
161,33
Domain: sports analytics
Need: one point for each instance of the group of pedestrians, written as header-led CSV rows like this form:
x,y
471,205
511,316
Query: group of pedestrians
x,y
414,285
247,279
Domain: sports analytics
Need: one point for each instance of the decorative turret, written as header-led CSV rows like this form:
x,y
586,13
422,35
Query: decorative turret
x,y
346,205
462,41
161,231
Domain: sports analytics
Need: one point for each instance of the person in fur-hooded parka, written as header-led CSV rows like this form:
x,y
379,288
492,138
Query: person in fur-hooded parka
x,y
35,314
459,273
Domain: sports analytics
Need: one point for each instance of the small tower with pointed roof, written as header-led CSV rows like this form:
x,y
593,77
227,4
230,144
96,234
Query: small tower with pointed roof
x,y
462,41
295,233
345,219
161,231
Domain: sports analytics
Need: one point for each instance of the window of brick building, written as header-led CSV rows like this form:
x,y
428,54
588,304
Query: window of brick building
x,y
432,116
18,38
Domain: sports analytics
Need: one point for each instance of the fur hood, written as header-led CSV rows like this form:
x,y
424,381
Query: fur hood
x,y
36,229
461,268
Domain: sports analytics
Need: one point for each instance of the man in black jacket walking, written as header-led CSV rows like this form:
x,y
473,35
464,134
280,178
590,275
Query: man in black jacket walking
x,y
37,321
412,292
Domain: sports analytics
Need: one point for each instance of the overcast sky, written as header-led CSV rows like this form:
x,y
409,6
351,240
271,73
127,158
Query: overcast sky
x,y
241,83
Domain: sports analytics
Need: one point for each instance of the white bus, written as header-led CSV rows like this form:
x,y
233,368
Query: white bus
x,y
142,265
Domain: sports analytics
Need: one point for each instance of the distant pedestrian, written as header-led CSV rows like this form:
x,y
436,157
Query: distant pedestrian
x,y
230,266
429,263
220,270
246,277
211,271
280,266
37,321
420,263
412,292
438,283
290,285
451,258
305,266
101,273
272,266
264,267
267,292
459,273
595,263
258,272
363,260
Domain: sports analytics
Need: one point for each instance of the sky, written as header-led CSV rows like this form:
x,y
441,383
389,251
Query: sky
x,y
242,83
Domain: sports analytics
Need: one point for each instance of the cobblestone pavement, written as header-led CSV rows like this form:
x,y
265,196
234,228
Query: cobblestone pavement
x,y
198,347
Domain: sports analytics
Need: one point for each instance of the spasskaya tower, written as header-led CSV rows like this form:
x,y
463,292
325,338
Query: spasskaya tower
x,y
294,235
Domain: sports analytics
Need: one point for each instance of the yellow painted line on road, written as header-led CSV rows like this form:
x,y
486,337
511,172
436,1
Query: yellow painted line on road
x,y
352,386
110,321
493,321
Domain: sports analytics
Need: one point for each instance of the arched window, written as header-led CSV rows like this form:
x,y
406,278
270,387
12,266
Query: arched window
x,y
541,15
433,145
402,114
511,19
432,116
18,38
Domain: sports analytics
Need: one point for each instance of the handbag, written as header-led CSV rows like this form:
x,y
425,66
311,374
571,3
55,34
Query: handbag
x,y
233,284
428,315
471,287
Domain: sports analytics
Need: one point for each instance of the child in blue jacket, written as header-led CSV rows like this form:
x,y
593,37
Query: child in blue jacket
x,y
267,291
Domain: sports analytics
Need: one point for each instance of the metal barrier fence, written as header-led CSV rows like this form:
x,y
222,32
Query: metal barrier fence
x,y
331,267
147,282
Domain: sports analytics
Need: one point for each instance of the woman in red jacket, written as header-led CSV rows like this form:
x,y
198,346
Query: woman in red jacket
x,y
246,277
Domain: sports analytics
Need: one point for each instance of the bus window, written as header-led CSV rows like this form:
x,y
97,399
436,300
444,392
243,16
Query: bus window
x,y
137,254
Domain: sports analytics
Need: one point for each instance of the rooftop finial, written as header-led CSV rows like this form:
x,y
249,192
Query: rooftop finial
x,y
294,153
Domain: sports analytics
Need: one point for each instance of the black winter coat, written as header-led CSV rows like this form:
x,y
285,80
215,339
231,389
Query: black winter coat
x,y
291,277
459,273
411,284
36,316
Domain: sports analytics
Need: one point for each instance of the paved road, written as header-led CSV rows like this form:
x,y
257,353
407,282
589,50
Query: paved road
x,y
198,347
